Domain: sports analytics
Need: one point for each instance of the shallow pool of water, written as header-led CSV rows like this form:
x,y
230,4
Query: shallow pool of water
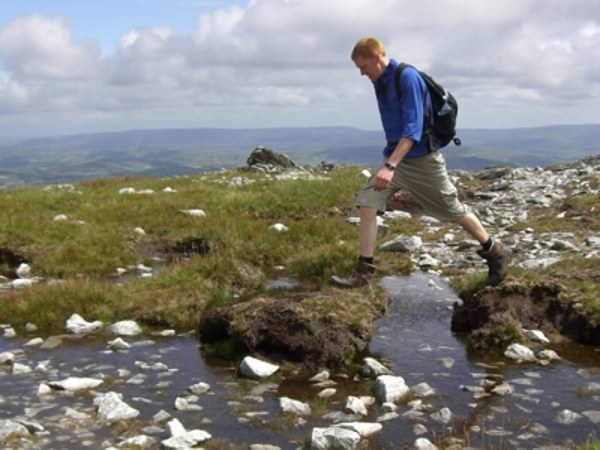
x,y
414,336
413,339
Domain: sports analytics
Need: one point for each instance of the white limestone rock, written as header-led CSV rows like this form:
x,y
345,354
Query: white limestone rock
x,y
199,388
75,384
166,333
34,342
334,438
422,390
568,417
10,430
320,377
161,416
264,447
420,429
389,388
326,393
78,325
365,429
279,227
519,352
538,263
43,389
125,328
187,404
176,428
289,405
593,416
424,444
388,407
444,416
22,283
140,441
355,405
404,244
590,389
536,336
255,368
24,270
111,408
118,344
194,212
426,260
20,369
373,368
548,355
503,389
7,358
181,439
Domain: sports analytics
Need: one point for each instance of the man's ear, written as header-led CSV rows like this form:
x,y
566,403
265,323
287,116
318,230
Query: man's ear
x,y
379,59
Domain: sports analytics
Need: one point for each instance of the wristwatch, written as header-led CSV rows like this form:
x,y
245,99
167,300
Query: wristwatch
x,y
389,166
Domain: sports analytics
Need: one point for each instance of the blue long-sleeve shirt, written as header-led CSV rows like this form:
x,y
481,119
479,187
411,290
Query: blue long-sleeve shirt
x,y
402,118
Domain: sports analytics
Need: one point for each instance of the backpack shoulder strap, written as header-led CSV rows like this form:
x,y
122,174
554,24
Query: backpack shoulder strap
x,y
397,74
426,112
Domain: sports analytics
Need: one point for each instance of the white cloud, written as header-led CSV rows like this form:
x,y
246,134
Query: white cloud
x,y
286,63
41,48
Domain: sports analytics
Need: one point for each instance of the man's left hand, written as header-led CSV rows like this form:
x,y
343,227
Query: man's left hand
x,y
383,178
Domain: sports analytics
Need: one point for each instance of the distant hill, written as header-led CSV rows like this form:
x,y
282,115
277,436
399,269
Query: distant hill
x,y
171,152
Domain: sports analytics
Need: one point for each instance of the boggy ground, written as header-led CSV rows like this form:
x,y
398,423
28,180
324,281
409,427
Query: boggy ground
x,y
220,276
328,327
292,328
494,317
314,329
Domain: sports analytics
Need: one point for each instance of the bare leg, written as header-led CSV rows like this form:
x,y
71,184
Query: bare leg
x,y
367,236
367,231
473,226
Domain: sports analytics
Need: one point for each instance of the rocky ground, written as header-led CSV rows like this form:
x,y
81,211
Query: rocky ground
x,y
276,326
504,199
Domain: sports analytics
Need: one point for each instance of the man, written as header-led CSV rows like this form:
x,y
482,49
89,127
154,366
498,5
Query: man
x,y
409,164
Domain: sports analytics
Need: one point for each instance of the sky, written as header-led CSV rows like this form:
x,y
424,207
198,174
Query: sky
x,y
72,66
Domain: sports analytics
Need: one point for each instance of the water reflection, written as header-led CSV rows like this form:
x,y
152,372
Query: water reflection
x,y
413,338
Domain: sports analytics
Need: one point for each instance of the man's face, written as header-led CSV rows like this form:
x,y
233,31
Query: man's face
x,y
369,67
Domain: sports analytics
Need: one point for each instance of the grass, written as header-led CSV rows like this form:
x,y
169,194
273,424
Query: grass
x,y
78,257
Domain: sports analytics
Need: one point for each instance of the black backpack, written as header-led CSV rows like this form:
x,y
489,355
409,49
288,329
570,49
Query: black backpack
x,y
445,108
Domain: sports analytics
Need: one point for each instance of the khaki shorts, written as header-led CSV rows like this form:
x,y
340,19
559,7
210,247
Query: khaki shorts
x,y
426,178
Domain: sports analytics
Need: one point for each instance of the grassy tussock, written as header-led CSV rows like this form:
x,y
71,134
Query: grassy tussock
x,y
78,257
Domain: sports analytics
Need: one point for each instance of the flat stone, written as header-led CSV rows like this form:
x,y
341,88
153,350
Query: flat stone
x,y
75,384
255,368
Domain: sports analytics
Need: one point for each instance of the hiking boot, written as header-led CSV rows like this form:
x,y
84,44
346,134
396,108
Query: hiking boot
x,y
361,276
498,257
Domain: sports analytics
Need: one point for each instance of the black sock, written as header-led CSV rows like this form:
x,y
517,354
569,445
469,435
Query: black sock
x,y
487,245
367,259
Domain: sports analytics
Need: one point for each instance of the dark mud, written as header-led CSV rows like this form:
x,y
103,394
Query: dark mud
x,y
494,317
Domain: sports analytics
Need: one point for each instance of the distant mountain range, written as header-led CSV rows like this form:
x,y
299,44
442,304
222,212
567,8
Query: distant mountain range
x,y
171,152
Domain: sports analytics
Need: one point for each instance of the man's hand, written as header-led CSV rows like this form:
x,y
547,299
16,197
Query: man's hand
x,y
383,178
